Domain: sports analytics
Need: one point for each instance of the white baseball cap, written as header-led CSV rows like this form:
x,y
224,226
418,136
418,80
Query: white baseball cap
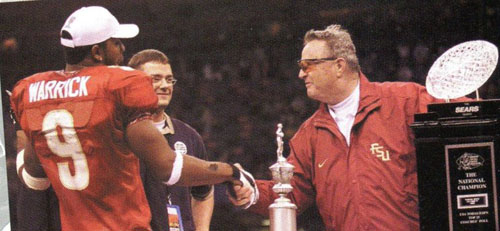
x,y
94,24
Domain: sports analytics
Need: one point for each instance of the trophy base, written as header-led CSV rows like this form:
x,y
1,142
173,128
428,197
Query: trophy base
x,y
283,215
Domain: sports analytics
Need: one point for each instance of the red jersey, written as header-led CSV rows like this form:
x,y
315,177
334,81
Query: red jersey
x,y
76,123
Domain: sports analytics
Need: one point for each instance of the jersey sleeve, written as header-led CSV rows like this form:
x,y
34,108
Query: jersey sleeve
x,y
135,95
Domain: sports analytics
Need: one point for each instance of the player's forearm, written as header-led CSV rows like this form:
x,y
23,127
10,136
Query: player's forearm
x,y
199,172
202,212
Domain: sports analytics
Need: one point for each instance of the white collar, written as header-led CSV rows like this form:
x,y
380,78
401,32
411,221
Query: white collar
x,y
165,126
349,106
344,113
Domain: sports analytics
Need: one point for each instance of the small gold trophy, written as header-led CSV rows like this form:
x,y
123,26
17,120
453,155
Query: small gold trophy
x,y
282,211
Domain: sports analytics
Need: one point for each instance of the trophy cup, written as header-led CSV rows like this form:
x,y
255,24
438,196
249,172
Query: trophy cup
x,y
282,211
458,144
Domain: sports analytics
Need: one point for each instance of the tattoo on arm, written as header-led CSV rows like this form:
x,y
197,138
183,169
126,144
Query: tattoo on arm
x,y
213,167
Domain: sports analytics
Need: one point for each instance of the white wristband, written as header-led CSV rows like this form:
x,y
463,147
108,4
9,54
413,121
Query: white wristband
x,y
245,178
19,161
176,169
35,182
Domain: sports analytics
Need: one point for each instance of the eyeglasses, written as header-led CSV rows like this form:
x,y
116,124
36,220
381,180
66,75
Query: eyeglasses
x,y
172,81
157,79
305,64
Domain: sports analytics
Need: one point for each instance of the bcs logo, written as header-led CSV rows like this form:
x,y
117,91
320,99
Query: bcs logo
x,y
468,161
466,109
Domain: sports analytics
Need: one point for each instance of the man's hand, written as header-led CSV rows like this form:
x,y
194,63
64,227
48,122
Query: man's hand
x,y
244,192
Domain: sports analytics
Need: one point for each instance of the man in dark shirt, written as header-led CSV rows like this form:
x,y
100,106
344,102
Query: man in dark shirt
x,y
195,203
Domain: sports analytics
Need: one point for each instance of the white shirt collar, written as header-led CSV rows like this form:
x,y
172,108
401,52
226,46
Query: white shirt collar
x,y
349,106
165,126
344,113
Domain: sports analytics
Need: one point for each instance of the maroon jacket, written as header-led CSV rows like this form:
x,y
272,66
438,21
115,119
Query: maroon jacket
x,y
371,185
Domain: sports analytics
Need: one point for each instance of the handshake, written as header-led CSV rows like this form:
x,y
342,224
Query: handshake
x,y
242,191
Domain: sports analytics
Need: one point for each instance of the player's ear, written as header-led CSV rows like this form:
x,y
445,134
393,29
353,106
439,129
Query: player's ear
x,y
97,53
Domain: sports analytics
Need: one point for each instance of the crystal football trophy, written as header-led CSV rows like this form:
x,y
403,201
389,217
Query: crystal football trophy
x,y
457,143
462,69
282,211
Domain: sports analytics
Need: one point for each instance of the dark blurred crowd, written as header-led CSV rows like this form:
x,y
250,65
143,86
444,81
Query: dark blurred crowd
x,y
236,87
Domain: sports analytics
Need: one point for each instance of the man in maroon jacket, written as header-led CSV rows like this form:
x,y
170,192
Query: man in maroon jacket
x,y
354,157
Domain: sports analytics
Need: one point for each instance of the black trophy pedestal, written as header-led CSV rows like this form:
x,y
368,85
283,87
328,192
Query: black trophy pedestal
x,y
458,165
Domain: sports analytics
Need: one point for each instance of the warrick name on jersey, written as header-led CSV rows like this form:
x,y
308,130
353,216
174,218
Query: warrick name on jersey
x,y
53,89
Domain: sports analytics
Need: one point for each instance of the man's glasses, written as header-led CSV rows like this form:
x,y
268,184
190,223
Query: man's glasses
x,y
305,64
169,80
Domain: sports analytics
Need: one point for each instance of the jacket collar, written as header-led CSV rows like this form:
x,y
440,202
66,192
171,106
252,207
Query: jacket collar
x,y
168,128
369,99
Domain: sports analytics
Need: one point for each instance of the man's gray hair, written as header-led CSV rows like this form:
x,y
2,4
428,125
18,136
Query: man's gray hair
x,y
339,41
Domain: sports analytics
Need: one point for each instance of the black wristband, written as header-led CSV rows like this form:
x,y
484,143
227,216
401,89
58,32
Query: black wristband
x,y
236,172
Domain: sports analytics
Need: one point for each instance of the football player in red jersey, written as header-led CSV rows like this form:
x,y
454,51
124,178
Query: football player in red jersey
x,y
85,123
